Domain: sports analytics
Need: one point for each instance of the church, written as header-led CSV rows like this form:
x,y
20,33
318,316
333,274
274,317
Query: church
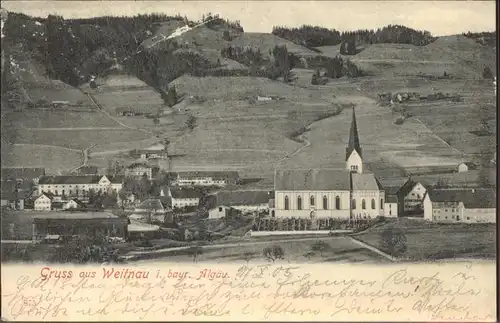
x,y
346,193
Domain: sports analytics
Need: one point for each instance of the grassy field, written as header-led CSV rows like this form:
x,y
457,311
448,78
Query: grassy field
x,y
54,159
79,139
337,249
38,118
429,241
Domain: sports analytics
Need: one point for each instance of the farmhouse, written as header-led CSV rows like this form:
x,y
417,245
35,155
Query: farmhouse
x,y
220,179
73,204
466,166
89,224
44,202
330,193
153,210
14,195
22,174
181,197
157,151
245,201
460,205
79,186
138,170
410,198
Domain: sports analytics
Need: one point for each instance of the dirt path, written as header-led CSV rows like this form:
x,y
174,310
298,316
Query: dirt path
x,y
49,146
439,138
76,129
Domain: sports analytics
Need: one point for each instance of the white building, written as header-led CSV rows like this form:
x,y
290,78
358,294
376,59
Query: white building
x,y
330,193
138,170
391,206
73,204
410,198
44,202
466,166
79,186
243,201
460,205
207,178
181,197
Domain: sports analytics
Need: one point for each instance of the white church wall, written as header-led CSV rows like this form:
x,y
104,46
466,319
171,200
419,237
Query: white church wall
x,y
305,212
367,196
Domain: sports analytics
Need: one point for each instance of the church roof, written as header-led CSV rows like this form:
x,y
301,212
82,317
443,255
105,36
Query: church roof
x,y
366,182
353,138
312,180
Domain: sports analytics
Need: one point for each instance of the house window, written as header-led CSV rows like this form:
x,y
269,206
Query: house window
x,y
363,204
325,202
287,203
312,200
299,203
390,212
458,218
337,202
353,204
373,204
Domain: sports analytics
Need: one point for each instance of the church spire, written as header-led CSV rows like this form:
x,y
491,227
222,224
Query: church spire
x,y
353,138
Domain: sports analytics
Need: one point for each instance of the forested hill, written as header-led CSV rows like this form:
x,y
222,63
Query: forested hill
x,y
314,36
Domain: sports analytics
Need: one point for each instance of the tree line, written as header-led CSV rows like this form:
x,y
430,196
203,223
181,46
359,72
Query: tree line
x,y
314,36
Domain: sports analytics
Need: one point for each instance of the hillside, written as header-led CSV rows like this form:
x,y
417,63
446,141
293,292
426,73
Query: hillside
x,y
252,113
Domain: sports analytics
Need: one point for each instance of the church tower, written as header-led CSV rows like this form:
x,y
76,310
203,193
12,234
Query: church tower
x,y
353,156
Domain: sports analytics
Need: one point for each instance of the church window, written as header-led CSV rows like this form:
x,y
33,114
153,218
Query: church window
x,y
354,167
325,202
287,203
299,203
337,202
373,204
381,203
363,204
353,204
312,200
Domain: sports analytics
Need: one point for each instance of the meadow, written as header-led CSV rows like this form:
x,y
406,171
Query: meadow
x,y
55,160
45,118
337,249
79,139
448,240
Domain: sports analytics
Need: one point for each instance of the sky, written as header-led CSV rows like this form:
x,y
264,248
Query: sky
x,y
439,17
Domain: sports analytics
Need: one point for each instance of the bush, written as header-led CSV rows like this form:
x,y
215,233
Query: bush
x,y
273,253
399,121
487,73
393,241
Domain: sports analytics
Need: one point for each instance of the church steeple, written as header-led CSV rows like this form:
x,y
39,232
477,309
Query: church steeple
x,y
353,138
353,155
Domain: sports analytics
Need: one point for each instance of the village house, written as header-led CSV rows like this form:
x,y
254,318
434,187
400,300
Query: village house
x,y
330,194
460,205
138,170
181,197
15,195
410,198
44,202
22,174
220,203
205,178
73,204
466,166
153,210
80,186
70,224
